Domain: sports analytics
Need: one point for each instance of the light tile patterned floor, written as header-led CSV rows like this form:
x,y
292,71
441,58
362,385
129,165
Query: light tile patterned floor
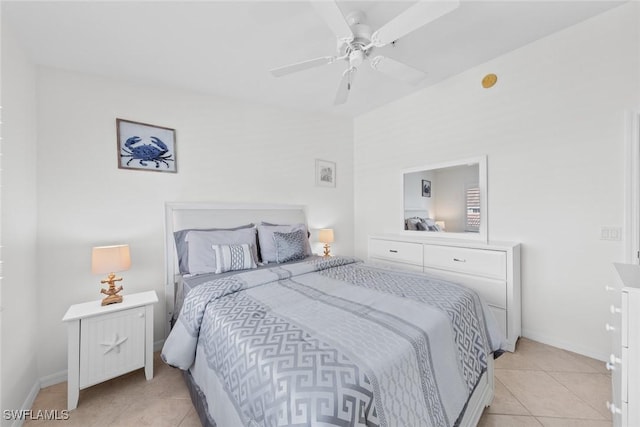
x,y
538,385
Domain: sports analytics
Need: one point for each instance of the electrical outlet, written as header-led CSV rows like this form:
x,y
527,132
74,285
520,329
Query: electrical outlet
x,y
610,233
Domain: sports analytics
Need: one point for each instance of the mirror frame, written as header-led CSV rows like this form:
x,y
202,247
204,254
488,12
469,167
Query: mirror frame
x,y
483,233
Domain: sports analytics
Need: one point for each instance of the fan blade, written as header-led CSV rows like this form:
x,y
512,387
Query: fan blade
x,y
397,70
345,86
411,19
335,19
305,65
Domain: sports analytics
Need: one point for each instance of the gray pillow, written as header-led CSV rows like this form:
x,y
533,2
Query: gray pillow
x,y
290,246
202,258
182,249
267,244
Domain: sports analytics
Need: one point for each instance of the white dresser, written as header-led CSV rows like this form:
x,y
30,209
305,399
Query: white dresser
x,y
624,362
493,270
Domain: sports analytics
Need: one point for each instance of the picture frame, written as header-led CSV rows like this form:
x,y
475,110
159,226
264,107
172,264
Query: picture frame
x,y
325,173
142,146
426,188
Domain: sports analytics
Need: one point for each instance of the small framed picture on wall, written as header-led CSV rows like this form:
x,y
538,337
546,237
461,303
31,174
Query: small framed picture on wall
x,y
426,188
325,173
143,146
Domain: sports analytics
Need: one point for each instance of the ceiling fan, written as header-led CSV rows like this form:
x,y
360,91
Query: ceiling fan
x,y
356,41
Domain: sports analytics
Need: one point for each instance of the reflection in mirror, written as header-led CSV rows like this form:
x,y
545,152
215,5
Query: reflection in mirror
x,y
448,199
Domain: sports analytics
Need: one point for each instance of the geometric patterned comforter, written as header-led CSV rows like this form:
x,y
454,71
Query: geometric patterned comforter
x,y
333,342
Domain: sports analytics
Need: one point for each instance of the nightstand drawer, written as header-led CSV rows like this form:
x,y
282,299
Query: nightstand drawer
x,y
492,264
111,345
405,252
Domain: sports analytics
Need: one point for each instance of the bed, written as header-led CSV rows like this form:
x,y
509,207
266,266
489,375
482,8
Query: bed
x,y
314,341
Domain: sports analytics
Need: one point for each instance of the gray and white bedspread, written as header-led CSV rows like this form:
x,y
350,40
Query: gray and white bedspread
x,y
333,342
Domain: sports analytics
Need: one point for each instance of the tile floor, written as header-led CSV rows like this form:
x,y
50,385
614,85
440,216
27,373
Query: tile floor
x,y
538,385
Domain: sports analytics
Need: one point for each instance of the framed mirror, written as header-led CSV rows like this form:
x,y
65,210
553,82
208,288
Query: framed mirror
x,y
446,200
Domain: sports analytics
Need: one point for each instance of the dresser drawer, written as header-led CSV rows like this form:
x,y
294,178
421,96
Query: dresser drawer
x,y
486,263
501,317
405,252
492,291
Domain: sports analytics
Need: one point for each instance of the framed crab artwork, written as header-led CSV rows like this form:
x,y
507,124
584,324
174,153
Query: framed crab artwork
x,y
148,147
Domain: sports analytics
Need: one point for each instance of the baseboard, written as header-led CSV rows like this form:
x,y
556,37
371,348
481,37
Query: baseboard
x,y
544,339
28,403
53,379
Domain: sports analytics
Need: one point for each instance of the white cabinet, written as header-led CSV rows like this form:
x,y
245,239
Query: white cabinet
x,y
624,362
492,270
107,341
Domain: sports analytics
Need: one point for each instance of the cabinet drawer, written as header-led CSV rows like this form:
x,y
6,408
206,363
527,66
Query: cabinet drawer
x,y
493,291
405,252
111,345
501,316
492,264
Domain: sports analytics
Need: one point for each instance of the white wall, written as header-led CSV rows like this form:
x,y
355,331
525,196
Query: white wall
x,y
553,131
19,328
226,151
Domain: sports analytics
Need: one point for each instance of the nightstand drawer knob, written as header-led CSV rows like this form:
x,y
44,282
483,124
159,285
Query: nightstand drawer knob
x,y
141,315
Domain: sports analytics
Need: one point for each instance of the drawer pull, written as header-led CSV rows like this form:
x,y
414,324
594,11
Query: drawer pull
x,y
393,251
609,328
614,309
613,359
610,366
460,260
609,288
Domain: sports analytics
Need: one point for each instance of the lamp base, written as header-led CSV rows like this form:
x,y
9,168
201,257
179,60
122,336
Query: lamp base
x,y
112,291
112,299
327,251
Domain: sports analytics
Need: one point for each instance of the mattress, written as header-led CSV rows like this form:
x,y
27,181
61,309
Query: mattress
x,y
332,342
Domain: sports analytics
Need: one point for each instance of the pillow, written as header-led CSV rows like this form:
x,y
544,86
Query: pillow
x,y
268,223
290,246
412,223
233,257
202,258
182,247
267,244
430,224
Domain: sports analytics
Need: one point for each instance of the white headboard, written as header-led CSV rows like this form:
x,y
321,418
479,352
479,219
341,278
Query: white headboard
x,y
419,212
182,215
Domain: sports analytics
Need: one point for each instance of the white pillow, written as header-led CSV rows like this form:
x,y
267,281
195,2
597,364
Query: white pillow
x,y
267,244
202,258
233,257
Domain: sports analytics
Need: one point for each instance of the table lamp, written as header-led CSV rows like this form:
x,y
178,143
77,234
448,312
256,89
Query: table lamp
x,y
110,259
326,236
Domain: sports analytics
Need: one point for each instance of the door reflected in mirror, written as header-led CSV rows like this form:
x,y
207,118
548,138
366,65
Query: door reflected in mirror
x,y
447,199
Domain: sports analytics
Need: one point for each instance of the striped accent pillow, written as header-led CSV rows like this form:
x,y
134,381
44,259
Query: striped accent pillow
x,y
290,246
233,257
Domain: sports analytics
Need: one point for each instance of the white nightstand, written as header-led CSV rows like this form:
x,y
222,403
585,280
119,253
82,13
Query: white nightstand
x,y
108,341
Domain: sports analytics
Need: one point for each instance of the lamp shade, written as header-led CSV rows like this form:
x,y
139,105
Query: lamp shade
x,y
326,235
109,259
